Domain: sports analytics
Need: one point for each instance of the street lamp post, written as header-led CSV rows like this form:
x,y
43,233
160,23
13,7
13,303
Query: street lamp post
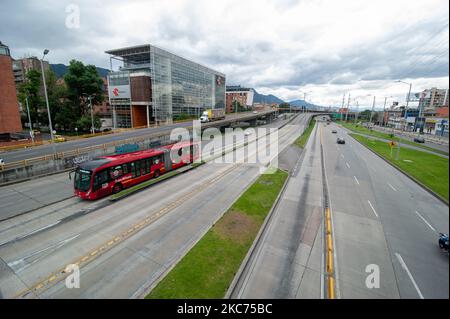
x,y
29,120
373,108
384,109
89,96
46,101
407,99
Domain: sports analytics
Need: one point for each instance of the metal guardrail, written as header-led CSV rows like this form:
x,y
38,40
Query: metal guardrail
x,y
104,146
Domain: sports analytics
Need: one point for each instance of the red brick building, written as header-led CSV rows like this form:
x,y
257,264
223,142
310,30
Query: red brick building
x,y
239,94
9,105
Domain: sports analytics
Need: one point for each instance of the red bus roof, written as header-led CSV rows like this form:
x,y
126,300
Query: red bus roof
x,y
112,160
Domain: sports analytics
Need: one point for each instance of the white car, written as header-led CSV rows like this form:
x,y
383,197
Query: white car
x,y
255,112
2,162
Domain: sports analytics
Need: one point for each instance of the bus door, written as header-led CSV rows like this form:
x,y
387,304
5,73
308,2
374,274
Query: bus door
x,y
136,171
101,183
167,160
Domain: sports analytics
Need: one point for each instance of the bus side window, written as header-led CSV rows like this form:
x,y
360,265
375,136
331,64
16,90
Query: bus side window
x,y
100,178
126,168
136,168
148,165
116,171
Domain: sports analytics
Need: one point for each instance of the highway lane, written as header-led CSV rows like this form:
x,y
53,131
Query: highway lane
x,y
38,193
382,217
287,261
138,261
47,149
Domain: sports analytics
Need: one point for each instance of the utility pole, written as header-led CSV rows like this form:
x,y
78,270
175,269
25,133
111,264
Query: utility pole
x,y
343,102
357,111
384,110
348,105
29,120
373,108
46,102
89,96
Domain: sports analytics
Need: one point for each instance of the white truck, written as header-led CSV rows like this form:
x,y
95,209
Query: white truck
x,y
212,115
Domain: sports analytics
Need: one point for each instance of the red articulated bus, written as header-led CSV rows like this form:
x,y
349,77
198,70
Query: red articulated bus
x,y
110,174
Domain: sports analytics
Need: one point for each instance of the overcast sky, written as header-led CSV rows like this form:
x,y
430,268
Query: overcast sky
x,y
281,47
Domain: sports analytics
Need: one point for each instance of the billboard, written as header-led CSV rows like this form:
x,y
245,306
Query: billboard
x,y
119,92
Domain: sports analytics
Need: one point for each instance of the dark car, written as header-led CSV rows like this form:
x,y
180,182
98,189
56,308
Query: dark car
x,y
340,140
419,139
334,131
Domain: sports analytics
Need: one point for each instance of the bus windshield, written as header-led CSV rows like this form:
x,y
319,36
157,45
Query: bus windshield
x,y
82,180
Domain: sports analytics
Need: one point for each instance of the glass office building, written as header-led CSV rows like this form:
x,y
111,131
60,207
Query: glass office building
x,y
154,85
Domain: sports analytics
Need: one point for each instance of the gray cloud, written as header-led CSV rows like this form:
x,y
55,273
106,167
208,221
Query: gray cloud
x,y
257,44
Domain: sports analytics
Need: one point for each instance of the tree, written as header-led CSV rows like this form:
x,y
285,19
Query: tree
x,y
84,123
365,115
237,106
31,89
82,79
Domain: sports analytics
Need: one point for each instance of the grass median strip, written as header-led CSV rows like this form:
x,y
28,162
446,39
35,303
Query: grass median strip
x,y
209,267
301,141
386,136
429,169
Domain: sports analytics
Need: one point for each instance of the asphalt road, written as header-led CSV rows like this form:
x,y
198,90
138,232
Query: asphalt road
x,y
382,219
47,149
23,197
163,221
287,260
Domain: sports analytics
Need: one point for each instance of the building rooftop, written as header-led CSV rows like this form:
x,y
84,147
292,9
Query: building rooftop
x,y
140,54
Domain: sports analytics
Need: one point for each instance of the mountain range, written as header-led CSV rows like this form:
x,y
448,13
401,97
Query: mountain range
x,y
61,69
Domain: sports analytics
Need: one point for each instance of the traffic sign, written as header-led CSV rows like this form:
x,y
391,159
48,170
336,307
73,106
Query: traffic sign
x,y
392,144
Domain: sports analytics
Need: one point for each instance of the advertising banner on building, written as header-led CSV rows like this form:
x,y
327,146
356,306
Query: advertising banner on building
x,y
119,92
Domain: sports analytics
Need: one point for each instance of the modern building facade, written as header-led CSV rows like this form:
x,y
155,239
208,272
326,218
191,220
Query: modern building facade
x,y
433,97
9,106
240,94
154,85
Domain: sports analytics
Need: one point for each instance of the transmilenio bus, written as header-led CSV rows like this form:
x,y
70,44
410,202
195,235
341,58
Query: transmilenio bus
x,y
110,174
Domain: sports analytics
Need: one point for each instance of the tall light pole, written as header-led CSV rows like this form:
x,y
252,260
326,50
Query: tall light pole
x,y
89,96
29,120
373,108
407,99
348,105
46,101
304,98
384,109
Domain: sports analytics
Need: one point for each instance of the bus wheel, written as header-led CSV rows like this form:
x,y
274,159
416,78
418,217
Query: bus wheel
x,y
156,174
117,188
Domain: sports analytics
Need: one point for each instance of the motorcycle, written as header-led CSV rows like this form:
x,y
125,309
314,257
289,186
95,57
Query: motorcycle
x,y
443,241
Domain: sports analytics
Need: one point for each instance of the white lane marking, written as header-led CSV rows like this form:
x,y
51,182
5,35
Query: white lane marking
x,y
391,186
373,209
20,264
30,233
425,221
402,263
356,180
347,165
